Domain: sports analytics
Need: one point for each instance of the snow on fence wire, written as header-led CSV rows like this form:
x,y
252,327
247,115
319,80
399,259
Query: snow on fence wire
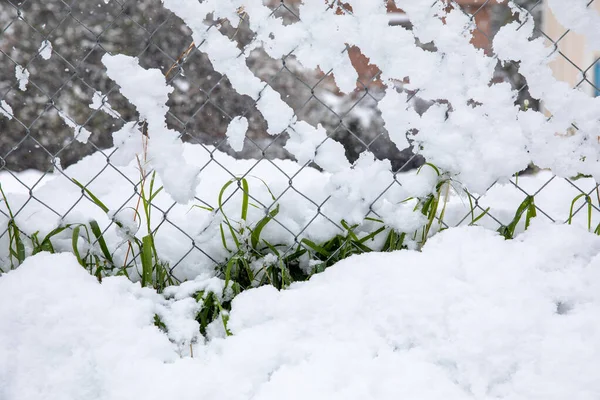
x,y
281,107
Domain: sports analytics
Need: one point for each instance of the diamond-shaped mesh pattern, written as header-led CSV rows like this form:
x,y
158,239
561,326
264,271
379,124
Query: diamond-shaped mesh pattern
x,y
40,132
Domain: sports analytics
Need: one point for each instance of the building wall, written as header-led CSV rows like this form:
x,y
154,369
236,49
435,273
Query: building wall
x,y
479,8
574,59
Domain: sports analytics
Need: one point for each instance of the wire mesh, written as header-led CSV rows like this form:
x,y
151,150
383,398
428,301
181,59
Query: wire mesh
x,y
40,132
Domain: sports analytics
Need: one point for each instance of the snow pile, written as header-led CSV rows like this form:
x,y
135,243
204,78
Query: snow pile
x,y
552,142
65,336
471,317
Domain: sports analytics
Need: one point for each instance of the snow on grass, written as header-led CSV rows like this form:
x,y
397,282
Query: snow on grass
x,y
186,223
313,210
471,317
554,199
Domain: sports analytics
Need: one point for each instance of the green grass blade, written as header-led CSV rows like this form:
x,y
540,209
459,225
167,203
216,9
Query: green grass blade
x,y
255,237
20,246
318,249
436,169
100,239
525,207
74,243
245,199
483,214
271,247
570,220
372,235
147,264
223,240
530,214
46,244
96,200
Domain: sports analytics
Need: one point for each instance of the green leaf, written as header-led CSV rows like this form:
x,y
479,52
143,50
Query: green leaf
x,y
20,253
74,242
204,208
100,239
255,236
570,220
320,250
220,201
437,171
483,214
245,199
91,195
372,235
46,244
528,207
223,237
147,264
271,247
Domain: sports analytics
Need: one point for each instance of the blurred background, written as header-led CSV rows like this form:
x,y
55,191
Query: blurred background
x,y
60,43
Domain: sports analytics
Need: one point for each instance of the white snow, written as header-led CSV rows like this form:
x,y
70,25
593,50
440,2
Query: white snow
x,y
471,317
312,209
22,76
128,143
236,133
80,133
21,182
580,17
45,50
474,131
76,338
548,141
100,102
147,90
6,109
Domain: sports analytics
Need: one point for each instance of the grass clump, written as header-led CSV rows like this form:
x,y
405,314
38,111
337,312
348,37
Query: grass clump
x,y
251,260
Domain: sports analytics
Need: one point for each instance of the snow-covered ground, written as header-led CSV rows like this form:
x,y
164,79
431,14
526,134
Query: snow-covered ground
x,y
471,317
21,182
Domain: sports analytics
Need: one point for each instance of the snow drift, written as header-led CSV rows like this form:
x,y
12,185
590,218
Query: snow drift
x,y
471,317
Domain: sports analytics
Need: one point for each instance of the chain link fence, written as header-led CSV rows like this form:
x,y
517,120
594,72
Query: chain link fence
x,y
53,87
